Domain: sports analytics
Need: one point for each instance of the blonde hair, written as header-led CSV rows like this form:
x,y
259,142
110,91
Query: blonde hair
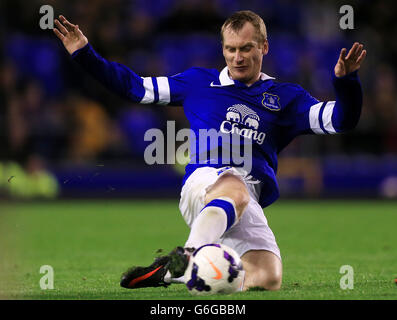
x,y
238,19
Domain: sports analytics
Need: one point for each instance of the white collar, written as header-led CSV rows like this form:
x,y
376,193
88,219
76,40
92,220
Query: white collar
x,y
225,80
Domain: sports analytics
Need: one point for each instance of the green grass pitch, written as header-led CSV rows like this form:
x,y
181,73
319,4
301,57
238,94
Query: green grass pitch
x,y
90,243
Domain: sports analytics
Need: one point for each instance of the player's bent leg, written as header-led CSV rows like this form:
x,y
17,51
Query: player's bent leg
x,y
262,269
232,187
224,202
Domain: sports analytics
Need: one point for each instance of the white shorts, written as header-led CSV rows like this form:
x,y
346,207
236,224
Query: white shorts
x,y
251,232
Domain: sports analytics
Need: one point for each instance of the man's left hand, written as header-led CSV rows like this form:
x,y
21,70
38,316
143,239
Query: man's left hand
x,y
350,62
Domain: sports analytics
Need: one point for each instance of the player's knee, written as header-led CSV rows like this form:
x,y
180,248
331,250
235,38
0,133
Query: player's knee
x,y
269,281
263,279
272,282
241,199
239,193
233,188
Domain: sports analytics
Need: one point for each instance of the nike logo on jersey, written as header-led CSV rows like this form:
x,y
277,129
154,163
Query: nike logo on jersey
x,y
215,85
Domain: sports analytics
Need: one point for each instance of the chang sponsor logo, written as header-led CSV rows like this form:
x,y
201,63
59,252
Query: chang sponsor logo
x,y
243,121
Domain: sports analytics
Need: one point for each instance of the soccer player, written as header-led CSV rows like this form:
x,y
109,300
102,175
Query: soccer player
x,y
224,203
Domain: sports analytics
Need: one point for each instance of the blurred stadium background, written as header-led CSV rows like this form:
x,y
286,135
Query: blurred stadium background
x,y
63,135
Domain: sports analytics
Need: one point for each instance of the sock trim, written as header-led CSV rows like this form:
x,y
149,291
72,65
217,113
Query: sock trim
x,y
227,206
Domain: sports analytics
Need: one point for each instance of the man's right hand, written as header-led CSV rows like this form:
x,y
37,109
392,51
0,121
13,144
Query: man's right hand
x,y
70,35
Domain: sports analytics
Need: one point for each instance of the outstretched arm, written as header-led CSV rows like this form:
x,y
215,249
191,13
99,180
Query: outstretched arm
x,y
347,86
114,76
341,114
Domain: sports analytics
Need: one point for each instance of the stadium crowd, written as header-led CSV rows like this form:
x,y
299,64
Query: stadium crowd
x,y
52,112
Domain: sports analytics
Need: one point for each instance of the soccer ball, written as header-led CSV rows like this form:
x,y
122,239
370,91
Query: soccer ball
x,y
214,268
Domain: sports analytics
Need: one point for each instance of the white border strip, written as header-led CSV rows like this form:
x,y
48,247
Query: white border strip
x,y
327,117
149,92
313,118
164,90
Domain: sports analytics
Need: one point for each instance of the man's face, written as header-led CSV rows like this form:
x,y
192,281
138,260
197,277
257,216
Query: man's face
x,y
243,53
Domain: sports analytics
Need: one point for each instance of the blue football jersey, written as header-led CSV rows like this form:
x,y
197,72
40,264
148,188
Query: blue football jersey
x,y
267,115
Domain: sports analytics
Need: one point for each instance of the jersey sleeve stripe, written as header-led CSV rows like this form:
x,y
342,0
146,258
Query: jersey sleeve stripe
x,y
149,91
327,117
314,118
164,90
320,118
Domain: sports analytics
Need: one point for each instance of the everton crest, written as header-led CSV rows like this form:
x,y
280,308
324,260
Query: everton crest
x,y
271,101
